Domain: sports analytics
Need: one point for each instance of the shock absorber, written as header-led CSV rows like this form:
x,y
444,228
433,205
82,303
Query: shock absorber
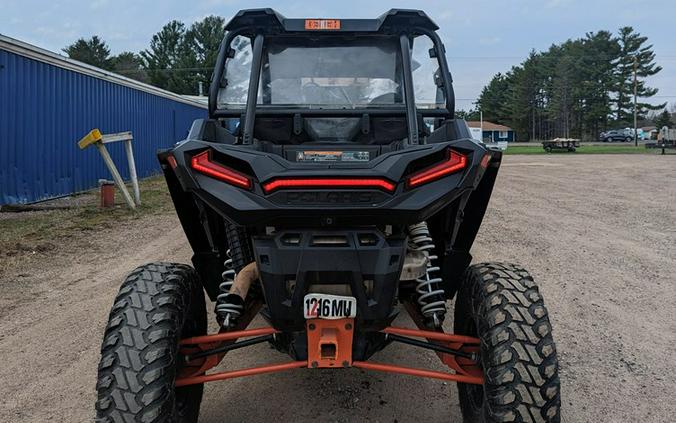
x,y
430,294
228,306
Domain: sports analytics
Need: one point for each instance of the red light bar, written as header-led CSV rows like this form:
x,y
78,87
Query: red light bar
x,y
203,164
454,162
377,183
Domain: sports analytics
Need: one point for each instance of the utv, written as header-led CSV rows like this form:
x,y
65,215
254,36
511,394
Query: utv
x,y
330,189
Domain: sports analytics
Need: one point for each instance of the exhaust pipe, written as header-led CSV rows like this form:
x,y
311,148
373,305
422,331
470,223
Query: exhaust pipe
x,y
243,280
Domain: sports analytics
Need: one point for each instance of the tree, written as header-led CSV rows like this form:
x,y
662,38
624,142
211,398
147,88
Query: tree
x,y
600,52
525,96
93,51
159,61
130,65
663,119
574,89
468,115
633,51
179,59
202,41
494,98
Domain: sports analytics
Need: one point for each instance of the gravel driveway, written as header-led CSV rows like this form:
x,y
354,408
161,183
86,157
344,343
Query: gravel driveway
x,y
596,231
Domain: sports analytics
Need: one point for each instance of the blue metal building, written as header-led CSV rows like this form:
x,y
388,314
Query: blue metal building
x,y
48,102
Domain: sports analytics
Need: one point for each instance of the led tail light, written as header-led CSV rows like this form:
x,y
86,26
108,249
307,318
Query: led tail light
x,y
328,183
202,163
453,163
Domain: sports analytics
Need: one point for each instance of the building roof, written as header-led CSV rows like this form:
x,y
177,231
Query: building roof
x,y
36,53
488,126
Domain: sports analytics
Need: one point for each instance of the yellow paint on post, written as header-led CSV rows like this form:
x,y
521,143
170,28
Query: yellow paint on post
x,y
92,137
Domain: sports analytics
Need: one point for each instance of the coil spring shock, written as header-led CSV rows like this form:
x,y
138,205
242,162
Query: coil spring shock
x,y
430,294
228,308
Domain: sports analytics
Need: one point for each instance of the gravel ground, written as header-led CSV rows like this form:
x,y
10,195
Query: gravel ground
x,y
597,232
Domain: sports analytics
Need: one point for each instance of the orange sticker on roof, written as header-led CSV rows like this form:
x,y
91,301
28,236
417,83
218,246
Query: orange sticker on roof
x,y
322,24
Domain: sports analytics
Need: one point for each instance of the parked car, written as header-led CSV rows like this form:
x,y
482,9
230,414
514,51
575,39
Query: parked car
x,y
617,135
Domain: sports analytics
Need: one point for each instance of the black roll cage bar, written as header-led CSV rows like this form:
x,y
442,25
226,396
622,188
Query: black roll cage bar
x,y
251,111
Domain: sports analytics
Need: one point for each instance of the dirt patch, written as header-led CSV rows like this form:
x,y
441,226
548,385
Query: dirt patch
x,y
596,231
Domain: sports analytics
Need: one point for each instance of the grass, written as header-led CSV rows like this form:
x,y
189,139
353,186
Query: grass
x,y
585,149
42,230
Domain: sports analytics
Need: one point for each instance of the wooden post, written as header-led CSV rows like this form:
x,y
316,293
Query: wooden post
x,y
99,140
116,175
132,171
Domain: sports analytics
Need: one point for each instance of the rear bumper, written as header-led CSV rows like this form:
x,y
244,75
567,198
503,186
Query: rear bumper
x,y
293,263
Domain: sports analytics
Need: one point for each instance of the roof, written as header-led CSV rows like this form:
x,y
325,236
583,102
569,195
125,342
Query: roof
x,y
36,53
488,126
270,21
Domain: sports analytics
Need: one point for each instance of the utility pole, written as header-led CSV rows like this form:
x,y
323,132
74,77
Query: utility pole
x,y
481,124
635,101
532,138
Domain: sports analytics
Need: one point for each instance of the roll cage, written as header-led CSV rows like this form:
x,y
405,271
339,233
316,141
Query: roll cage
x,y
257,24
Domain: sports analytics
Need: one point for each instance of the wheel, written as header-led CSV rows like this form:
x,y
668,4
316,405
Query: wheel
x,y
548,149
571,149
500,304
157,305
608,140
628,139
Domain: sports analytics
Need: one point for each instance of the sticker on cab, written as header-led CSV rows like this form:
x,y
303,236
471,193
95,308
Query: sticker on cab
x,y
322,24
333,156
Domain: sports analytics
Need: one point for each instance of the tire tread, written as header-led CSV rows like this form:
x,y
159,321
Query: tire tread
x,y
518,351
137,368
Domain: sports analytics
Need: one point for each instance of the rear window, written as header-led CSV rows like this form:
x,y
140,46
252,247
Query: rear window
x,y
331,74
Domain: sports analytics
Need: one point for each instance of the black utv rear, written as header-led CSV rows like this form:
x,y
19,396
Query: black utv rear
x,y
330,189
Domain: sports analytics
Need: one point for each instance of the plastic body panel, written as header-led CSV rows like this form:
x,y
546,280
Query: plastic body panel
x,y
312,207
288,271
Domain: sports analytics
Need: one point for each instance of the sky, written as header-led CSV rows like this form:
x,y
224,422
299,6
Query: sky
x,y
482,37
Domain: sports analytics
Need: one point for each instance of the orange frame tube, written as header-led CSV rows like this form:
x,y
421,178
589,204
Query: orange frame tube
x,y
463,377
437,336
227,336
455,377
273,368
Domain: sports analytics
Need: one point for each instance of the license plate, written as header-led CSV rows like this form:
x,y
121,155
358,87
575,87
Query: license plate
x,y
323,306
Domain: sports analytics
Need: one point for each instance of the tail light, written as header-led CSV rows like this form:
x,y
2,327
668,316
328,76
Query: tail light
x,y
453,163
328,183
202,163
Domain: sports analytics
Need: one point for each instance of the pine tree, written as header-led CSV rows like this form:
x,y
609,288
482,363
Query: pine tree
x,y
575,89
160,60
203,40
663,119
633,49
494,99
130,65
93,51
525,97
601,50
